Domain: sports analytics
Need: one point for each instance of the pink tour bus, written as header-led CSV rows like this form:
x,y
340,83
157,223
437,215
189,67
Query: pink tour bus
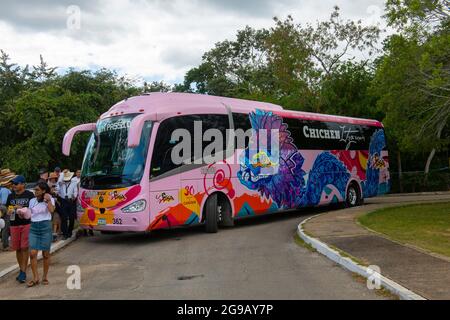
x,y
131,182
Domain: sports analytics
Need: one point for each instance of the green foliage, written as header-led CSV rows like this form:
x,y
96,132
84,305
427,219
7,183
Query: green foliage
x,y
232,68
314,68
39,107
11,80
347,92
156,86
287,64
413,77
407,15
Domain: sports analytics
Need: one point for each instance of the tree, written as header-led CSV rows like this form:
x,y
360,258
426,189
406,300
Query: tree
x,y
232,68
416,15
43,72
347,91
156,86
11,79
38,107
329,42
413,79
285,64
295,77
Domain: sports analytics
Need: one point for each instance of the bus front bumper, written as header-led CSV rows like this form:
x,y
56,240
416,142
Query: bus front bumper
x,y
115,222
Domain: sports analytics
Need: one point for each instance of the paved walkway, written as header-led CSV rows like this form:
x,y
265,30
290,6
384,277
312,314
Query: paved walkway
x,y
258,259
8,261
424,273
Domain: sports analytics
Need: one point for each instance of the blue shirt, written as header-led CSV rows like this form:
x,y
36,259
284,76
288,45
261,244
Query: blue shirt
x,y
4,193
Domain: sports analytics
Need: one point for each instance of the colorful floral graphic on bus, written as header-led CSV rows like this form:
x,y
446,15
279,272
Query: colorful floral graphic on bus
x,y
185,213
287,188
99,205
303,178
221,179
372,186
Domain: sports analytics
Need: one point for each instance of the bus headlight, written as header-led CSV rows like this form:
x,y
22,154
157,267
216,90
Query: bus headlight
x,y
137,206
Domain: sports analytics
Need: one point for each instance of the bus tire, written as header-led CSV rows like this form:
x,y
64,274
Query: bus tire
x,y
211,215
353,196
225,211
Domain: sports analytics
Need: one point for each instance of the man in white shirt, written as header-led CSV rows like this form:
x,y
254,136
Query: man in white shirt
x,y
67,193
77,177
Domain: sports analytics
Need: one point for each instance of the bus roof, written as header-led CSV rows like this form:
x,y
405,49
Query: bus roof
x,y
327,118
165,105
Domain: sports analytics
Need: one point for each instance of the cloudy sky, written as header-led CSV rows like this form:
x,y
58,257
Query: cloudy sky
x,y
151,39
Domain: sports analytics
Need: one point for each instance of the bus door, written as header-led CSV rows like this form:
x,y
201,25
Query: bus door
x,y
164,179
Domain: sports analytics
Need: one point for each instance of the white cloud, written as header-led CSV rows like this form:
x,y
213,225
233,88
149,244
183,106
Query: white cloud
x,y
153,39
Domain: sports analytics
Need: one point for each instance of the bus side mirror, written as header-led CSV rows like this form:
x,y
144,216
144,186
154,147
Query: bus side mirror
x,y
67,142
135,132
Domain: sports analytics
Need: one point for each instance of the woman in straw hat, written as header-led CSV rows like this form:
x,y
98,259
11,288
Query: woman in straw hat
x,y
5,179
5,190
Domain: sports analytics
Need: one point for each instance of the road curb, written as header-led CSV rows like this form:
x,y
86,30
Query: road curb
x,y
57,246
412,194
349,264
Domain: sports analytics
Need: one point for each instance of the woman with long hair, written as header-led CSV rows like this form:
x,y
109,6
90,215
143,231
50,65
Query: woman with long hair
x,y
40,208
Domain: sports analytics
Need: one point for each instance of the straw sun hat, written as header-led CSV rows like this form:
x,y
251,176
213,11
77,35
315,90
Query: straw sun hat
x,y
68,176
6,176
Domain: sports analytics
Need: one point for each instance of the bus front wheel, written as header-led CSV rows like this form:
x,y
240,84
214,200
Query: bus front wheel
x,y
211,214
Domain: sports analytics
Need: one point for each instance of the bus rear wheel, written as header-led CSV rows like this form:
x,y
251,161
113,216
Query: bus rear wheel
x,y
353,198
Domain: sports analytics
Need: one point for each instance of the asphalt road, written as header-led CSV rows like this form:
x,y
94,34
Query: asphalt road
x,y
257,259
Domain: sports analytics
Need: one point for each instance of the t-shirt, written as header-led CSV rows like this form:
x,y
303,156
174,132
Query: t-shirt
x,y
39,210
20,200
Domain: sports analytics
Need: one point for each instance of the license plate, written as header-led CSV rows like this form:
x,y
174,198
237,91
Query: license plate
x,y
101,222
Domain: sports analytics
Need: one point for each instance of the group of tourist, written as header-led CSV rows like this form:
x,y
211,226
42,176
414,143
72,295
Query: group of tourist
x,y
31,220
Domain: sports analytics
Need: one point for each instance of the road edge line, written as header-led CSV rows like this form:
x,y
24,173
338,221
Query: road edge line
x,y
58,246
349,264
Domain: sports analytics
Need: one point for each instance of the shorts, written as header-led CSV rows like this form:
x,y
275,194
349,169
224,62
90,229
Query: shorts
x,y
19,237
41,235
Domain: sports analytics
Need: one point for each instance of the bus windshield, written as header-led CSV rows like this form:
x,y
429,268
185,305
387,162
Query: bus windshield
x,y
108,162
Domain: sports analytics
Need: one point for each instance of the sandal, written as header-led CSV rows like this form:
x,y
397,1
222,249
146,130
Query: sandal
x,y
32,283
45,282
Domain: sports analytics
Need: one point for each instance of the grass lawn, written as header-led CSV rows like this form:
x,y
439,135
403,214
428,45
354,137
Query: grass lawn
x,y
425,225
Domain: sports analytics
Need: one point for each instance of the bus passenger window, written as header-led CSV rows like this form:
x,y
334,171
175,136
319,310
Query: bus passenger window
x,y
242,122
161,160
162,151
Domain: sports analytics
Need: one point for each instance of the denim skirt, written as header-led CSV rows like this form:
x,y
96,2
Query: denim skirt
x,y
41,235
